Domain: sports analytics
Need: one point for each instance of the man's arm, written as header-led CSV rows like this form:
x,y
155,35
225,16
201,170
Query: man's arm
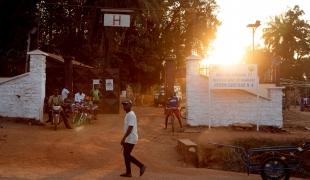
x,y
49,103
126,134
61,102
76,99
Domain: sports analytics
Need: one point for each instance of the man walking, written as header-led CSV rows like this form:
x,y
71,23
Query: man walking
x,y
129,139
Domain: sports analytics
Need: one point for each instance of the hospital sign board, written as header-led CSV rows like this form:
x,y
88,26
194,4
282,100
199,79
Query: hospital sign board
x,y
116,20
234,76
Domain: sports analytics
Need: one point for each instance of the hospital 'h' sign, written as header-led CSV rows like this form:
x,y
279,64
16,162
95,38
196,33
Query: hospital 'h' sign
x,y
236,76
116,20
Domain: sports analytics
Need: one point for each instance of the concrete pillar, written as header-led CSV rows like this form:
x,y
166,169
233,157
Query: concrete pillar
x,y
38,77
193,84
192,65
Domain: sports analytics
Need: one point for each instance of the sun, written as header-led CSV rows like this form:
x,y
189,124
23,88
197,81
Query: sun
x,y
224,53
233,37
229,47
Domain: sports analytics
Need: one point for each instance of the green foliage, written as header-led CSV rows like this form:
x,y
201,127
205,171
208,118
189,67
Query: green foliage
x,y
17,18
266,63
159,29
288,37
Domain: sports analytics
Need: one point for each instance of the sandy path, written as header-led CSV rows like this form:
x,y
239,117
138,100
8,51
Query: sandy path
x,y
93,151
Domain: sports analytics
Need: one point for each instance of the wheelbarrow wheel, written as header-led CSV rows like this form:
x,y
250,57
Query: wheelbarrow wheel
x,y
274,169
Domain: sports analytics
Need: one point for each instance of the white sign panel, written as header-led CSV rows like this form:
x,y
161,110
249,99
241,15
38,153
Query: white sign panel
x,y
116,20
96,81
235,76
109,84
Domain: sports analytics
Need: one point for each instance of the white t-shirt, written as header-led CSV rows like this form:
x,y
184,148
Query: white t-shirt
x,y
64,93
79,97
131,120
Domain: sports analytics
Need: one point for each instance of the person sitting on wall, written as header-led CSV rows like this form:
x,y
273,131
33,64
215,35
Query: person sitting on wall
x,y
173,107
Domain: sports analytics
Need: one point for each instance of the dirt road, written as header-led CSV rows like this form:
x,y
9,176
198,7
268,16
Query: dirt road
x,y
93,151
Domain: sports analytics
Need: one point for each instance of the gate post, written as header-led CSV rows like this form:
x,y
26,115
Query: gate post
x,y
170,76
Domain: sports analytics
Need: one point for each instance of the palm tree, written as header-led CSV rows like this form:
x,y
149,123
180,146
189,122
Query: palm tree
x,y
288,37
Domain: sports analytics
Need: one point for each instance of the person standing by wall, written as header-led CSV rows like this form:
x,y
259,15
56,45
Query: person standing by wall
x,y
130,139
95,94
173,107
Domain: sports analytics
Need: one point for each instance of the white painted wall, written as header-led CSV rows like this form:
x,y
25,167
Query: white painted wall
x,y
229,106
23,96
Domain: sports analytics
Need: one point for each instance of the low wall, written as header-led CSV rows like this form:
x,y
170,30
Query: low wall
x,y
23,96
229,106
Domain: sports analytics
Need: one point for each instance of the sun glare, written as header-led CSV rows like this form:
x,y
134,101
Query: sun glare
x,y
234,37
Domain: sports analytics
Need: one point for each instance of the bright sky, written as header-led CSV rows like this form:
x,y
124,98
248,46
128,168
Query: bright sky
x,y
233,37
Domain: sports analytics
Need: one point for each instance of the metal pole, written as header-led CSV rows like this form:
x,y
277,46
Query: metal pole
x,y
259,107
253,30
27,55
210,97
209,104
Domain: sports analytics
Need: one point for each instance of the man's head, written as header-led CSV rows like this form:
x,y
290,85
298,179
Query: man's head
x,y
56,92
127,104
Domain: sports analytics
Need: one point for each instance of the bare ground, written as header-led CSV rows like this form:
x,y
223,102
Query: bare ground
x,y
93,151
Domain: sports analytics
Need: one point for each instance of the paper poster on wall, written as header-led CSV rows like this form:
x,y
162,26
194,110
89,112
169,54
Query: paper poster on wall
x,y
96,82
109,84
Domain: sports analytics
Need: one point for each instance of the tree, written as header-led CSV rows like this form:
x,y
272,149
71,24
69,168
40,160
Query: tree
x,y
17,18
158,29
288,37
267,64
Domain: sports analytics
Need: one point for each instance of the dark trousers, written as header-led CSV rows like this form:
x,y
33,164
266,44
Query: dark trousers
x,y
129,158
170,112
63,115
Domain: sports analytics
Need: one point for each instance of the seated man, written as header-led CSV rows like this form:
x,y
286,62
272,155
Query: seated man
x,y
64,93
173,107
79,97
55,100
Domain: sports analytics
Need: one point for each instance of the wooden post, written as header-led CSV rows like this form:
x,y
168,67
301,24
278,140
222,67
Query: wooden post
x,y
69,73
170,77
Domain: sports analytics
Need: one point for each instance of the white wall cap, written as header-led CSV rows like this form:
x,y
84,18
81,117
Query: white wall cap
x,y
37,52
278,87
270,86
193,57
4,80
